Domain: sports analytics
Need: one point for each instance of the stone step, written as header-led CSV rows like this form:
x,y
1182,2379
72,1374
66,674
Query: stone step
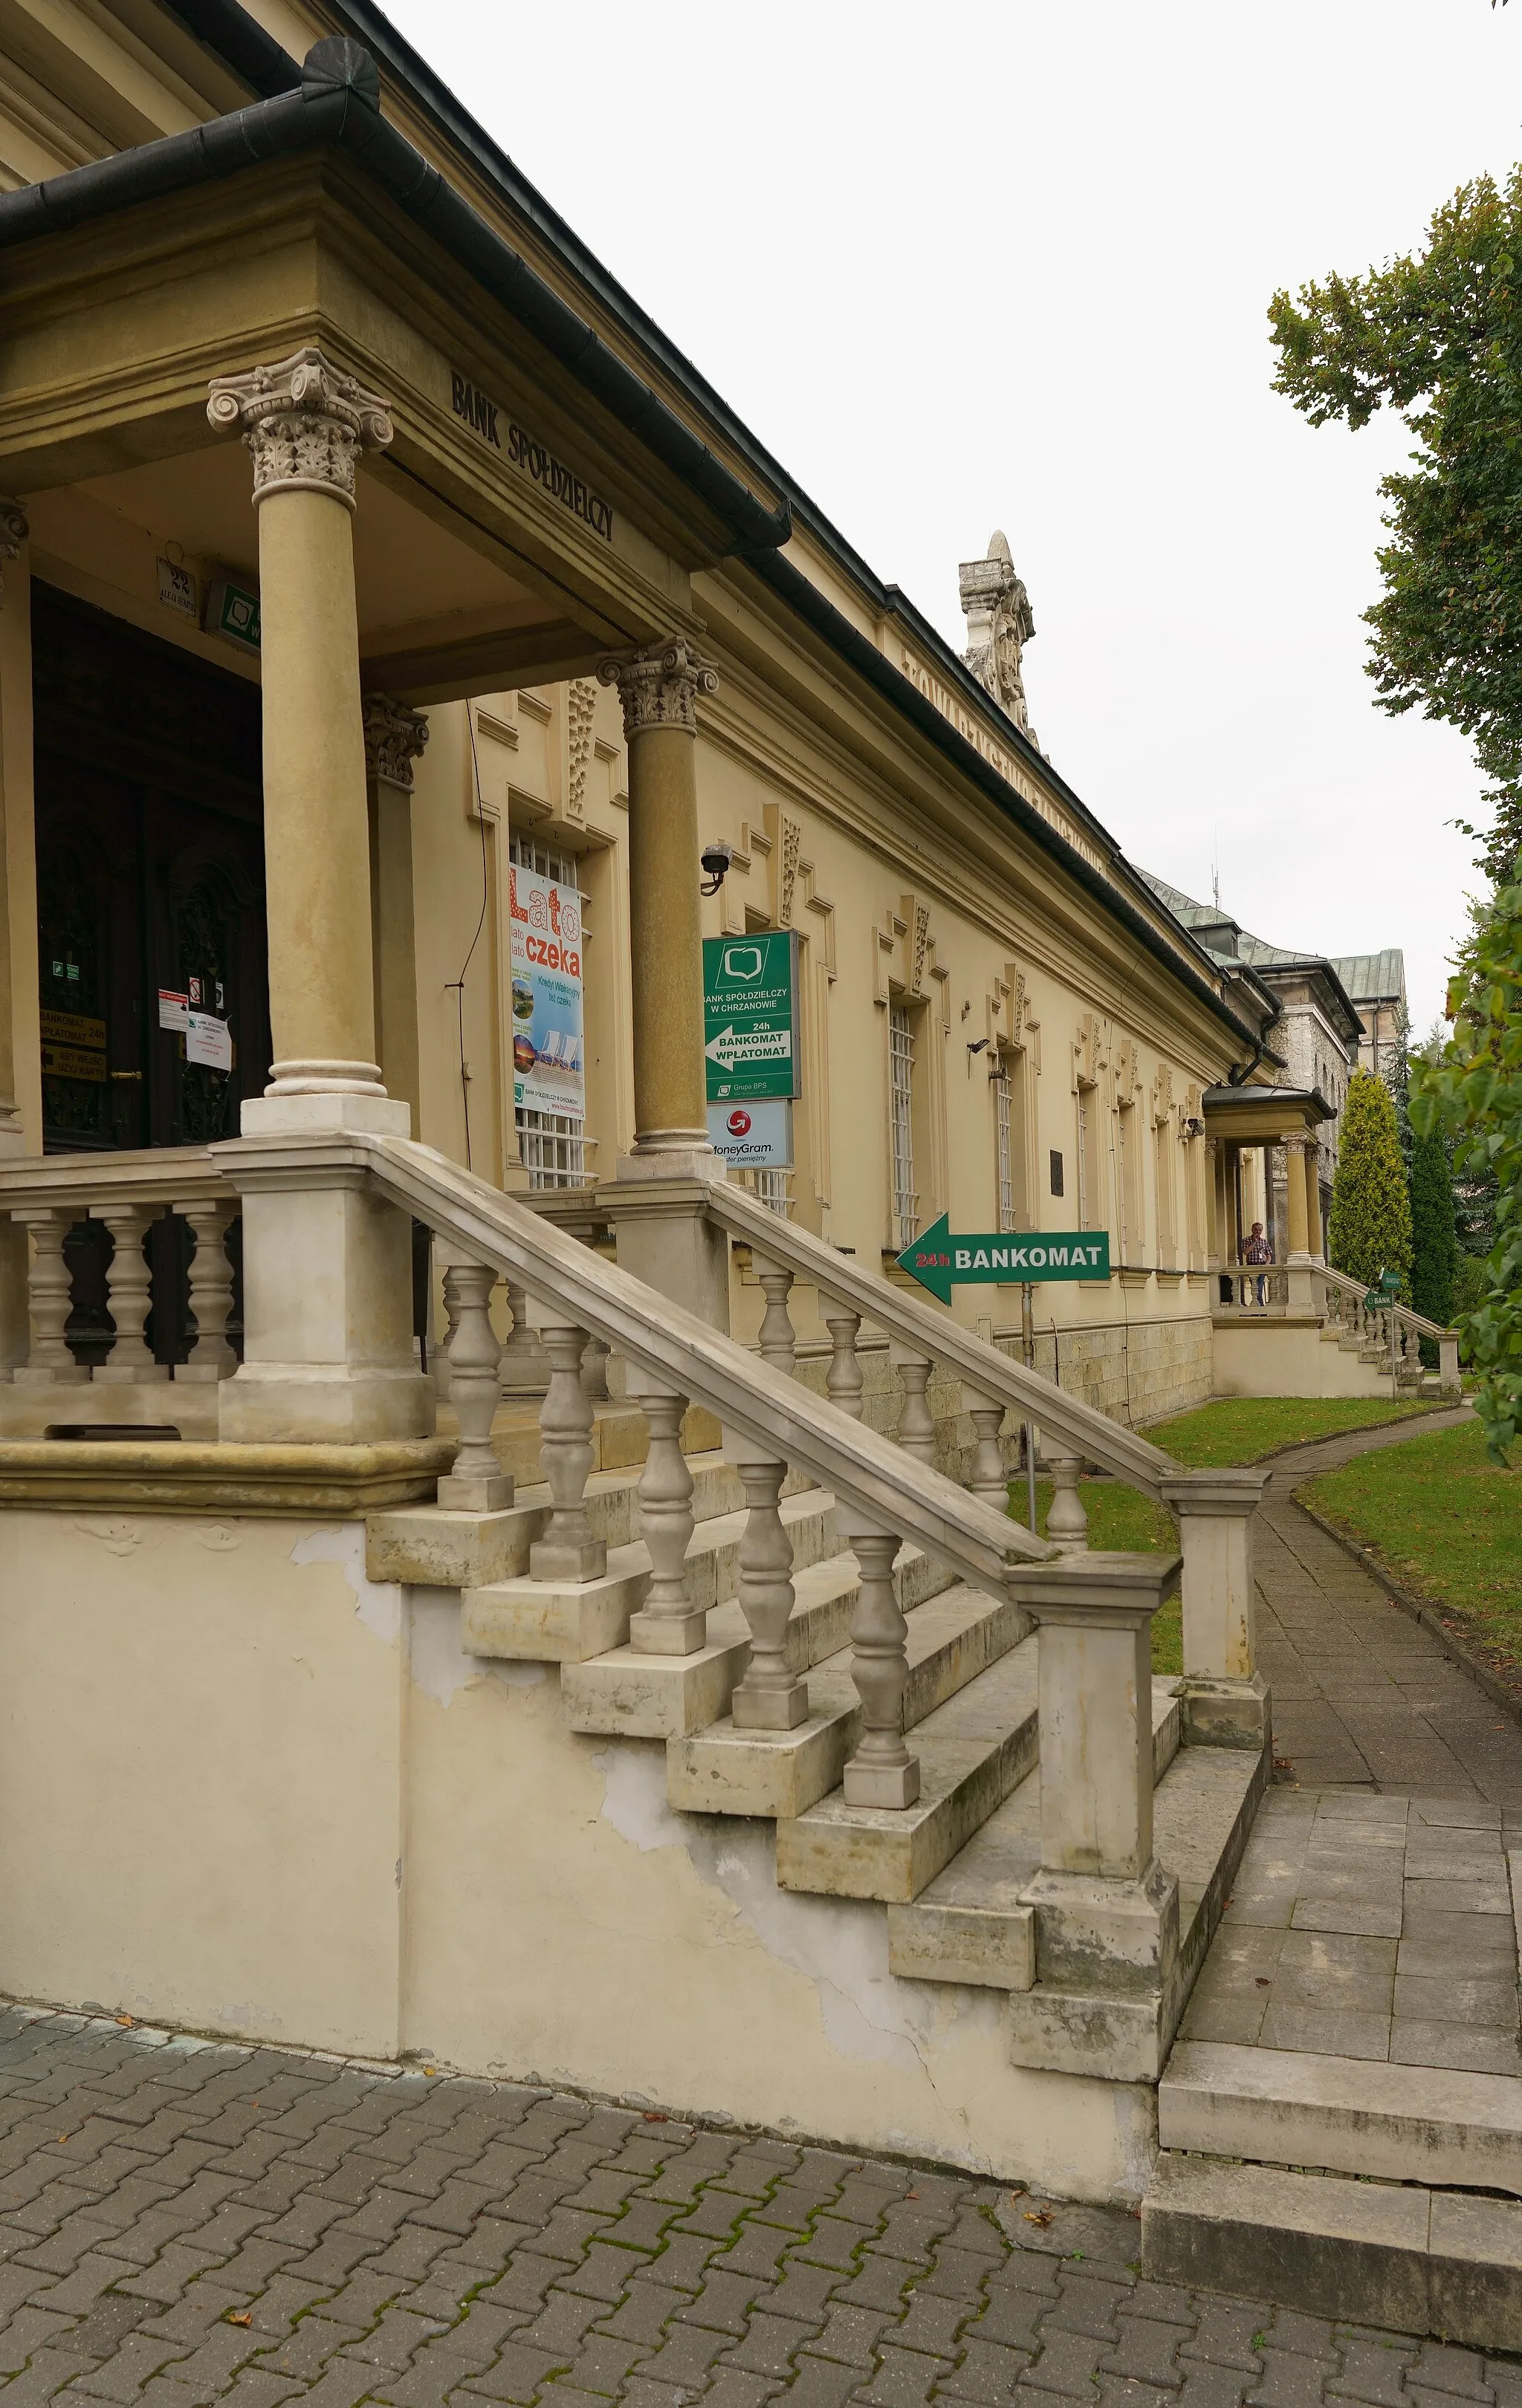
x,y
1397,2256
428,1547
973,1750
969,1924
952,1638
1347,2116
665,1697
567,1621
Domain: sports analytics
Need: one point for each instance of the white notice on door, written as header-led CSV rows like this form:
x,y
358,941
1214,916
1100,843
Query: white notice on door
x,y
209,1039
174,1010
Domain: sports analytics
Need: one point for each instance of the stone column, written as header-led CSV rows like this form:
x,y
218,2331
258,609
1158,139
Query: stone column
x,y
1299,1289
326,1263
1314,1243
14,1319
1225,1696
394,738
659,1203
1214,1206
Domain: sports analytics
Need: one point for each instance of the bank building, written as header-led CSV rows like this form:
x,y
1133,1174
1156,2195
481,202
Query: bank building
x,y
479,1574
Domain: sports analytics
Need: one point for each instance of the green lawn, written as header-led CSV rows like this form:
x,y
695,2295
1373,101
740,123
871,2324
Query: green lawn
x,y
1121,1517
1243,1429
1448,1521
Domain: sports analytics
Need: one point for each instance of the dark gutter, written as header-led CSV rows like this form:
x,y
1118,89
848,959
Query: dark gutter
x,y
878,671
337,101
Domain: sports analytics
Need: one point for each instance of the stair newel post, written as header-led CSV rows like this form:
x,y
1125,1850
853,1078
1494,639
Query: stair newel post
x,y
779,1340
1106,1914
916,1432
1225,1698
883,1772
128,1297
843,1380
50,1297
771,1695
451,1323
210,1283
477,1483
568,1551
1067,1523
666,1624
989,1479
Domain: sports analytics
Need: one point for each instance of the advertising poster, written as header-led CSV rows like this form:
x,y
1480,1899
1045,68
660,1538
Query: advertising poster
x,y
549,1072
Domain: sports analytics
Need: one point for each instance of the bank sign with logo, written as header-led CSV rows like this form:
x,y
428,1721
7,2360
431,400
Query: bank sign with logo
x,y
549,1072
750,1016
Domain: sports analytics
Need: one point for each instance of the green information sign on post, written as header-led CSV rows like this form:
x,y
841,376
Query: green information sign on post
x,y
751,1015
1006,1259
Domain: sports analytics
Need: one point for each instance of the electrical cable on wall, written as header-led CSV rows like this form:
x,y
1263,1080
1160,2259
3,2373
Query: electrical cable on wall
x,y
456,985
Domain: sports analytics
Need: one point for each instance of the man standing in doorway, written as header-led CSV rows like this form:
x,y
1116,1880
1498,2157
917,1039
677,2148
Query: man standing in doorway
x,y
1257,1250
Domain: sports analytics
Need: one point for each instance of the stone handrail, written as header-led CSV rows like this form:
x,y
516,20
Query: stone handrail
x,y
927,1329
111,1182
663,1344
1406,1317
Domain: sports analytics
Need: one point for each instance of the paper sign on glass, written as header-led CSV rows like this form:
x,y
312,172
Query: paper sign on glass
x,y
209,1040
174,1010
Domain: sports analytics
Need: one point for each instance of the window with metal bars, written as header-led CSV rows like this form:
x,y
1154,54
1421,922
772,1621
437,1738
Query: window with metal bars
x,y
771,1189
1003,1150
901,1105
552,1147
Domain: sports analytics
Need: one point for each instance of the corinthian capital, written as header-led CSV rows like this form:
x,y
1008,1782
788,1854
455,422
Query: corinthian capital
x,y
659,687
13,534
305,422
394,739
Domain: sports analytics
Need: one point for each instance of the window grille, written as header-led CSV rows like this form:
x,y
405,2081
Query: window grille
x,y
901,1093
552,1147
771,1191
1003,1161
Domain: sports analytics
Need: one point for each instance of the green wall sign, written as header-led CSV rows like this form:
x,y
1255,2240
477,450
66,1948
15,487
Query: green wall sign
x,y
751,1015
1006,1259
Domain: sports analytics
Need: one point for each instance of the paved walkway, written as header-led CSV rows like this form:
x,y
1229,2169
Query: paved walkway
x,y
183,2224
1363,1695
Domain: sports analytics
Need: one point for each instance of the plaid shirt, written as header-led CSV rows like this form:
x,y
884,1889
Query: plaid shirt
x,y
1257,1250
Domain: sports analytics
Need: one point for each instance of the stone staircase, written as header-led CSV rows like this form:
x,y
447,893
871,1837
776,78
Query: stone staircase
x,y
1347,2187
950,1868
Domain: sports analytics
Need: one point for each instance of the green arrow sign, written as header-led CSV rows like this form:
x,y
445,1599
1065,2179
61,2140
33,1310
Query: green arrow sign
x,y
749,1015
942,1261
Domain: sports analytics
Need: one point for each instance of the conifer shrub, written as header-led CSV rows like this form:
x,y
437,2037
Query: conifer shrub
x,y
1369,1229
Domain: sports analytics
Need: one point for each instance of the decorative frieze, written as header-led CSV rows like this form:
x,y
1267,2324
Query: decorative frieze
x,y
306,423
394,738
659,686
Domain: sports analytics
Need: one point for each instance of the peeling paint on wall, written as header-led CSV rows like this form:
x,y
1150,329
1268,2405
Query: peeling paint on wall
x,y
379,1606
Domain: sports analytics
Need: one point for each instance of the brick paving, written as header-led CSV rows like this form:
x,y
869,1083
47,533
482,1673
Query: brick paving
x,y
184,2222
1363,1695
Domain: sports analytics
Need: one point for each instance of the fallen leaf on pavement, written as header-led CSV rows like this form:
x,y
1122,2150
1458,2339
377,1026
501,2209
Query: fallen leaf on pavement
x,y
241,2317
1037,2215
653,2116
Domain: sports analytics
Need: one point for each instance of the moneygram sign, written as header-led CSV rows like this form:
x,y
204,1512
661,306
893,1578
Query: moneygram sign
x,y
751,1016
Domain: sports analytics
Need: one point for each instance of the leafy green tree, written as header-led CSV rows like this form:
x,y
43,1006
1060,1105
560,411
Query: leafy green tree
x,y
1433,1234
1475,1093
1438,336
1370,1224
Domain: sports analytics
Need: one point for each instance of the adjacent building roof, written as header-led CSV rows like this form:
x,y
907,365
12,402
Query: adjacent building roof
x,y
1229,942
1373,977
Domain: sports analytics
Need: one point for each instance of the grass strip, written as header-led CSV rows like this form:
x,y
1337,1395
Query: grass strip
x,y
1243,1429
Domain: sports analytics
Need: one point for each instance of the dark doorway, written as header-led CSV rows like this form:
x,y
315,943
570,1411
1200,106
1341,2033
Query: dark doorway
x,y
150,882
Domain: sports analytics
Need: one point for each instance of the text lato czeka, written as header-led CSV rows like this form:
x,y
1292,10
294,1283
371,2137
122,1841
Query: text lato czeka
x,y
548,926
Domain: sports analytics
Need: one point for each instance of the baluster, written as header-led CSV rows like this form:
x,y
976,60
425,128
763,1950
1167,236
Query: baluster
x,y
524,1365
916,1432
779,1340
883,1772
50,1299
210,1285
989,1477
128,1289
476,1483
595,1369
1067,1523
843,1381
568,1551
667,1624
451,1323
771,1695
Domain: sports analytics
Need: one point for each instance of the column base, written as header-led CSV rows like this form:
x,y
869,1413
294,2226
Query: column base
x,y
1223,1713
1096,1932
881,1784
463,1493
779,1709
554,1560
319,1403
669,1634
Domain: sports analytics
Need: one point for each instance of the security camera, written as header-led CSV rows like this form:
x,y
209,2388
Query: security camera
x,y
716,857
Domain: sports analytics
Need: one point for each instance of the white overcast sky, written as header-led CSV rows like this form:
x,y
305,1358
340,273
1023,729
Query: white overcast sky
x,y
1008,264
